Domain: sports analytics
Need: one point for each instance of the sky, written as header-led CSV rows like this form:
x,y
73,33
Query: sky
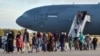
x,y
10,10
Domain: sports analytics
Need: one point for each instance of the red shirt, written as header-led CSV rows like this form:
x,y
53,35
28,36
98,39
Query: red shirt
x,y
39,35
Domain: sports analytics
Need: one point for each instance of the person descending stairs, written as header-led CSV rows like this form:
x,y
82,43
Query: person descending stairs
x,y
79,23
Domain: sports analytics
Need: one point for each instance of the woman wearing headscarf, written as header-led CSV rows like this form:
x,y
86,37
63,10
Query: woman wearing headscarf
x,y
19,42
10,39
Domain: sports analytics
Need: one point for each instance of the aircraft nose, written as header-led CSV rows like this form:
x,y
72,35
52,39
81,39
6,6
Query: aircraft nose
x,y
23,22
19,21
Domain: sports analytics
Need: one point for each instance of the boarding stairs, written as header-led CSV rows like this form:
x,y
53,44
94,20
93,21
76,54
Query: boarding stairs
x,y
81,26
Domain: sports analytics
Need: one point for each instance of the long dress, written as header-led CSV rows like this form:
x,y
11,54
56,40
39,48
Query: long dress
x,y
10,39
19,42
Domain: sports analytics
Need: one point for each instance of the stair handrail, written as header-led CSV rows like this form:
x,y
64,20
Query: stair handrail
x,y
81,28
72,26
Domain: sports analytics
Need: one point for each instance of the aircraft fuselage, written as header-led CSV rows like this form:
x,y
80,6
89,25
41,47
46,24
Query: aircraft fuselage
x,y
59,18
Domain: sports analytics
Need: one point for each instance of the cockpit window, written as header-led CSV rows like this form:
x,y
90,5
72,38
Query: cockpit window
x,y
25,15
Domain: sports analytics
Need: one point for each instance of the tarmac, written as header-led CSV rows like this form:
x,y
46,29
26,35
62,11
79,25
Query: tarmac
x,y
58,53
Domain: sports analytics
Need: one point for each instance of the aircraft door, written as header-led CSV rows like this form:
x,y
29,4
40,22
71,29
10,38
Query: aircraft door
x,y
36,16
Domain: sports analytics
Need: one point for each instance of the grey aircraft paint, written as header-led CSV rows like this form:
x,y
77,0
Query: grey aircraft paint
x,y
59,18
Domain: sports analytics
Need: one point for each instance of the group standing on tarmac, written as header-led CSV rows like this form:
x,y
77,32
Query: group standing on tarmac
x,y
46,42
40,42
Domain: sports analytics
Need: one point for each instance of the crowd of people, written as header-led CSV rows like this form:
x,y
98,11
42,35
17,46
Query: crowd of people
x,y
83,42
47,42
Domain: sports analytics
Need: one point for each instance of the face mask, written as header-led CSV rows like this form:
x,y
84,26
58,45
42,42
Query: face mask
x,y
10,32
